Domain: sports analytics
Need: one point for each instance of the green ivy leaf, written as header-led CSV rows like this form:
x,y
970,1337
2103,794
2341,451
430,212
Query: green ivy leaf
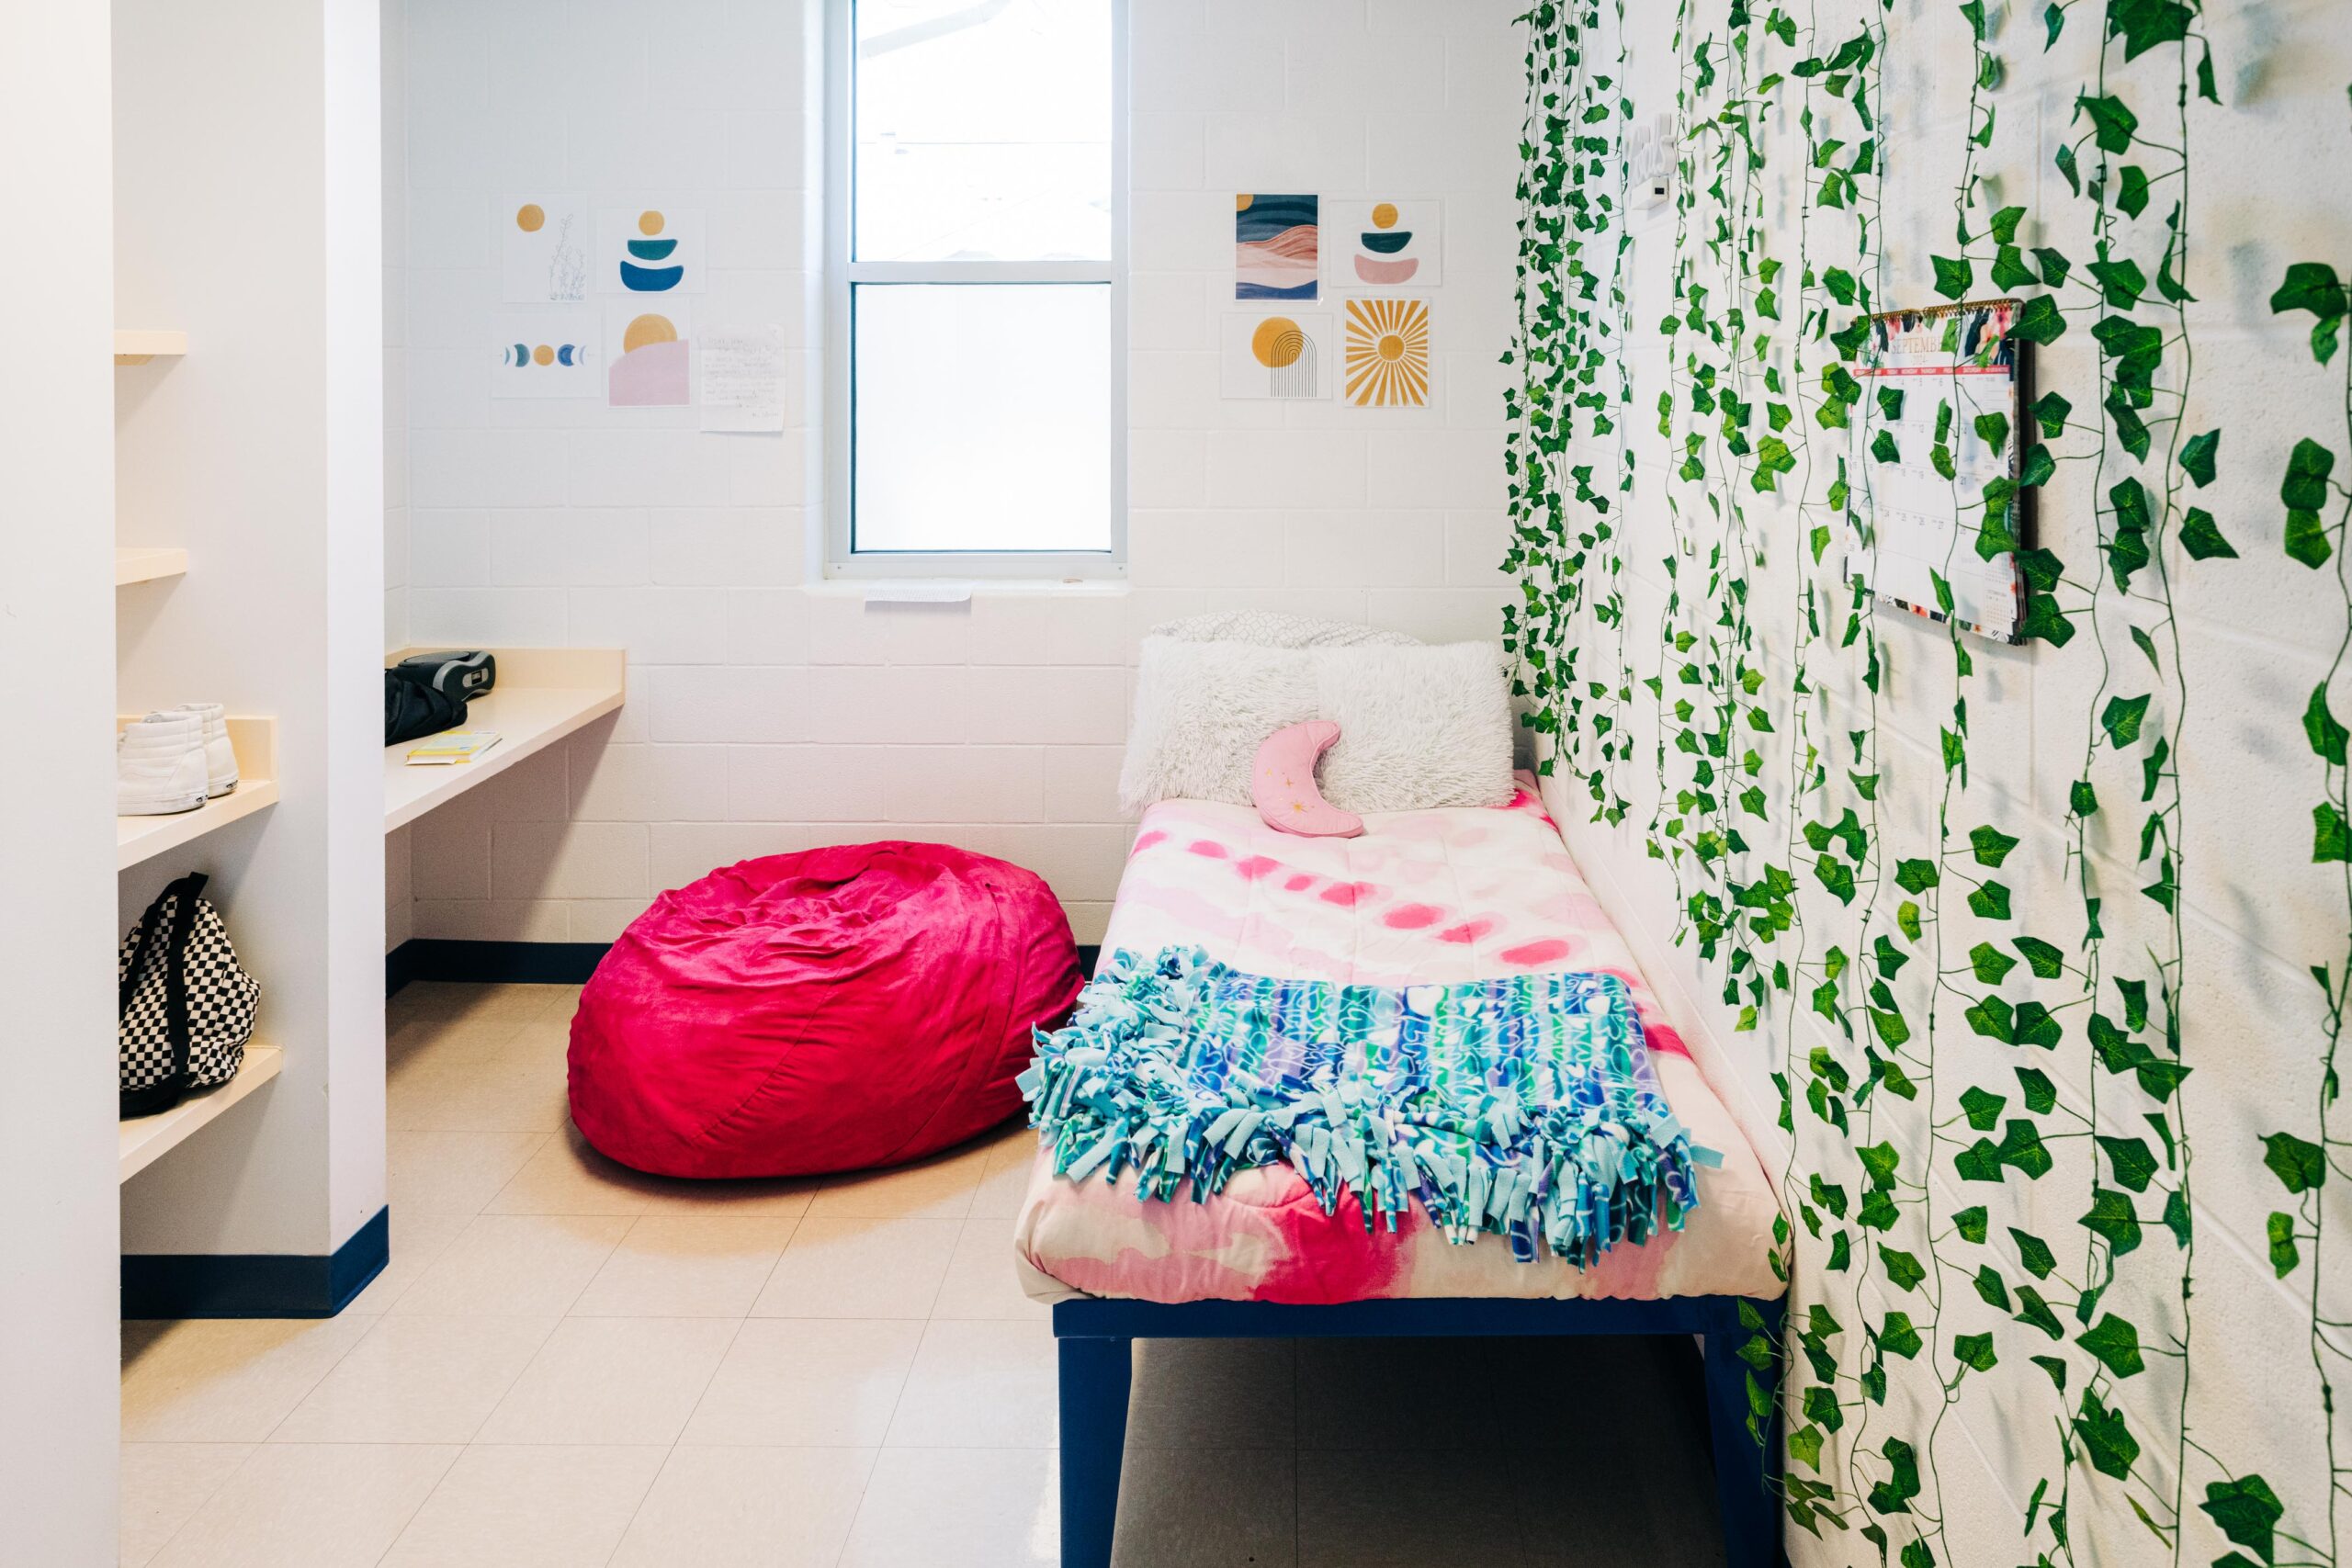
x,y
2047,960
2197,455
2246,1511
2331,835
2202,537
1954,276
2284,1254
2112,1216
1898,1337
2115,1344
2049,410
1915,876
1990,1287
2144,24
2305,486
2040,322
2300,1166
1982,1108
2054,263
2129,1158
2041,1094
2033,1309
1990,901
2313,287
1903,1270
1882,447
1976,1351
1969,1224
2121,718
2306,539
2112,122
2133,196
2108,1445
2035,1026
2304,490
2326,735
2121,281
1894,1495
1991,845
2021,1148
1990,964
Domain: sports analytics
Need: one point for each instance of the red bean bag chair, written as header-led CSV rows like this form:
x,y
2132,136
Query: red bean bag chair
x,y
828,1010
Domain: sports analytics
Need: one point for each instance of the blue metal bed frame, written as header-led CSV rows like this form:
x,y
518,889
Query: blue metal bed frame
x,y
1096,1339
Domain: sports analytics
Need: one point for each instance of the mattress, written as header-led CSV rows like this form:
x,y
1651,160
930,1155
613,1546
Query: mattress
x,y
1422,897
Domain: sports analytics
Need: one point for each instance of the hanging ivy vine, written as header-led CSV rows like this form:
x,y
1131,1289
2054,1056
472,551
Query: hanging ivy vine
x,y
1984,1090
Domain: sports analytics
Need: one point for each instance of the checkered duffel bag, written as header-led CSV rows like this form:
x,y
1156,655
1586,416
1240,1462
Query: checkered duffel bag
x,y
187,1006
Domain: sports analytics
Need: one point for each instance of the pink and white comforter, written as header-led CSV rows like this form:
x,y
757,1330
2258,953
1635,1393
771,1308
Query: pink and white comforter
x,y
1423,897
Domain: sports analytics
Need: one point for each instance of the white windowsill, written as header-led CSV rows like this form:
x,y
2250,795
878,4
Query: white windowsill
x,y
976,587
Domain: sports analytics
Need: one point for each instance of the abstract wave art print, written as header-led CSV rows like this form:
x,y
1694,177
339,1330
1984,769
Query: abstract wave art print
x,y
1277,254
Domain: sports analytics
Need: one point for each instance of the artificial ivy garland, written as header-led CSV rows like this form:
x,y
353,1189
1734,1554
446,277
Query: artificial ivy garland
x,y
1915,1256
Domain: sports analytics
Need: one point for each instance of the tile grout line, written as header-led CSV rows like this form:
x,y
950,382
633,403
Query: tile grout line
x,y
678,1441
394,1545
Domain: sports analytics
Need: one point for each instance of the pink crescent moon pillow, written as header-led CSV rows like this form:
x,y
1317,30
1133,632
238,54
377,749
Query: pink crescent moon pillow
x,y
1282,783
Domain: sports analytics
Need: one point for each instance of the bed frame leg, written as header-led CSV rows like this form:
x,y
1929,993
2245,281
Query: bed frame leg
x,y
1746,1475
1095,1375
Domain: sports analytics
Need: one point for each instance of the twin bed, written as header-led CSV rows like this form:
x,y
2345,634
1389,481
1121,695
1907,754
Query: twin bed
x,y
1423,898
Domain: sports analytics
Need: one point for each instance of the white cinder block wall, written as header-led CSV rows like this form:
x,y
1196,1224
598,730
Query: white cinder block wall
x,y
766,712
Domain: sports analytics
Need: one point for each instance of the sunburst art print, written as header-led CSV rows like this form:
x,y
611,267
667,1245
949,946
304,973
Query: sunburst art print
x,y
1389,354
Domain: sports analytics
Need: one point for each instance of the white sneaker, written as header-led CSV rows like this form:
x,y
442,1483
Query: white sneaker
x,y
159,766
219,757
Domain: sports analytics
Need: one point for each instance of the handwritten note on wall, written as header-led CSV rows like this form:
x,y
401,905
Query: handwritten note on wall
x,y
742,380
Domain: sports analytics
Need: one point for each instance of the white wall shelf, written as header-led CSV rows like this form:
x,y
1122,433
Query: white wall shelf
x,y
255,742
147,563
137,347
542,696
146,1139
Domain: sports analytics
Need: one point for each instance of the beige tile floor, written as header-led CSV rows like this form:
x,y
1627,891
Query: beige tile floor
x,y
568,1365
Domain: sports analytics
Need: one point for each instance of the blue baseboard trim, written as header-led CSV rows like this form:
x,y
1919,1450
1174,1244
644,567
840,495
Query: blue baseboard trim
x,y
493,962
257,1285
522,962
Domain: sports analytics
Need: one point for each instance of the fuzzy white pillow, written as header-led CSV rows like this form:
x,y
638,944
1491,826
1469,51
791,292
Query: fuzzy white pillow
x,y
1418,727
1271,628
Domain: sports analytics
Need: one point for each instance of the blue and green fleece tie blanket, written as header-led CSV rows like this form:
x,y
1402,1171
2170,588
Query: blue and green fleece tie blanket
x,y
1526,1107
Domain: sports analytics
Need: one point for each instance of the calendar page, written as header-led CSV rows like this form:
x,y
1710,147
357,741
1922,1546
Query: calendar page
x,y
1929,377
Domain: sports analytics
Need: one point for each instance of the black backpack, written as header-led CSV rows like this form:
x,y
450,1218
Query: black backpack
x,y
413,711
186,1005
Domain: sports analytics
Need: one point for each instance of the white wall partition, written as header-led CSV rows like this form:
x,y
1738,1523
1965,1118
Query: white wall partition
x,y
247,180
57,1138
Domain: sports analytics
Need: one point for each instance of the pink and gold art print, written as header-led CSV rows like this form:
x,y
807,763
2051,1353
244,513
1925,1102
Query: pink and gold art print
x,y
1386,242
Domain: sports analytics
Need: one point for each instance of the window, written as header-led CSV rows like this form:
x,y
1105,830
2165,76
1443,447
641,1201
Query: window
x,y
975,286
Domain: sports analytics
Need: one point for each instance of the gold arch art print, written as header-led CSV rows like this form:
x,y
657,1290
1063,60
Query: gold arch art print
x,y
1388,353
